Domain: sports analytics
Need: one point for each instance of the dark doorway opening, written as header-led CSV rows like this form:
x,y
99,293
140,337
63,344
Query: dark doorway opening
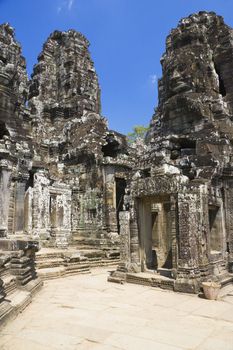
x,y
30,181
120,192
222,89
3,130
154,224
215,225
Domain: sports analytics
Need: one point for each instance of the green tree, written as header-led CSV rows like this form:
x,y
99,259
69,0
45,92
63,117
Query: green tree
x,y
139,132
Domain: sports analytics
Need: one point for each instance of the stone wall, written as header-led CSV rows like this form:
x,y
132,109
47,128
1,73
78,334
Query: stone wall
x,y
18,278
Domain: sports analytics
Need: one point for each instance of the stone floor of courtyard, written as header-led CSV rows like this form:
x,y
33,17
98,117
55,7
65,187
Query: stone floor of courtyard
x,y
86,312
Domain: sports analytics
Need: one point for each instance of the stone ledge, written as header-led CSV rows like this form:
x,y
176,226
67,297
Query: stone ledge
x,y
17,301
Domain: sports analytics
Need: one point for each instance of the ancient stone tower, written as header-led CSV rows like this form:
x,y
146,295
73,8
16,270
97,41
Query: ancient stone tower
x,y
63,172
15,140
181,198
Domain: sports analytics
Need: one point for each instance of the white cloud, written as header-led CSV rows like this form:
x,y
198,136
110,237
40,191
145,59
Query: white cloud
x,y
70,4
153,79
67,4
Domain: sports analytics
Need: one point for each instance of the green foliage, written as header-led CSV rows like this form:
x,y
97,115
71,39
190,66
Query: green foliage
x,y
139,132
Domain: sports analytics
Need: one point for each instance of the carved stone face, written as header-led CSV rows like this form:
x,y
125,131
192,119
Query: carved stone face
x,y
176,79
189,71
195,91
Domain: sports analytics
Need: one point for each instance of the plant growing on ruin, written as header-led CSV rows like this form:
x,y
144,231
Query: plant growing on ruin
x,y
139,132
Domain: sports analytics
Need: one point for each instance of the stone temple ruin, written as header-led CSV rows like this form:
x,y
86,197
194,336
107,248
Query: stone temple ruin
x,y
72,186
179,220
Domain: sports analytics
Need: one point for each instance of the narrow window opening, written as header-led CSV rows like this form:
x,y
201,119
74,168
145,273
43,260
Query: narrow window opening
x,y
185,147
92,213
111,149
3,130
187,143
146,173
222,89
30,181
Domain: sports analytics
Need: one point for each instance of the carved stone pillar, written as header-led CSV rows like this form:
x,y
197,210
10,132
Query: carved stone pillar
x,y
134,242
229,221
5,172
188,274
174,243
20,204
53,212
110,200
124,218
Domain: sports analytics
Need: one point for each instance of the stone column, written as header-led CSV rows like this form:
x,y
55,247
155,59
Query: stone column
x,y
20,204
229,220
40,205
174,243
5,173
204,232
124,218
28,199
188,274
110,197
134,242
53,212
129,242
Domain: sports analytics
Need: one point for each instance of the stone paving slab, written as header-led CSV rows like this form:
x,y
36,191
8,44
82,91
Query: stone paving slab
x,y
86,312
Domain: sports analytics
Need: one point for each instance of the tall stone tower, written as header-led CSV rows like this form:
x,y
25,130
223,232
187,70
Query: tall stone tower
x,y
182,193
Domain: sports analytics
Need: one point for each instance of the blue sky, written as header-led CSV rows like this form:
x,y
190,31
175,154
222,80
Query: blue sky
x,y
127,40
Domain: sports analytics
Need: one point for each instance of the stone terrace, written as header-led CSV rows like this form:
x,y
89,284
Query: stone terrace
x,y
86,312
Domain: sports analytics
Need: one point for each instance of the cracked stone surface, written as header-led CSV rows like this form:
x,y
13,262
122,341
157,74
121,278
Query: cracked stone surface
x,y
86,312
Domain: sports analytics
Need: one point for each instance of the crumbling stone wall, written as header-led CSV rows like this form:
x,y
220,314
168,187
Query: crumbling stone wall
x,y
18,278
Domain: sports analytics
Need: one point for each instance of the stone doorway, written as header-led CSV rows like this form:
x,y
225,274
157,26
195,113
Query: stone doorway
x,y
216,228
155,233
120,192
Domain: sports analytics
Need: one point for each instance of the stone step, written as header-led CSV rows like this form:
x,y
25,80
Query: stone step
x,y
9,284
152,280
84,253
45,256
62,271
51,273
164,272
96,242
61,263
225,279
6,312
34,286
54,262
19,300
88,234
113,262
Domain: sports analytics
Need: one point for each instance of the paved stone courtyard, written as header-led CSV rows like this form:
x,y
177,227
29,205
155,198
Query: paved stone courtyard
x,y
86,312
